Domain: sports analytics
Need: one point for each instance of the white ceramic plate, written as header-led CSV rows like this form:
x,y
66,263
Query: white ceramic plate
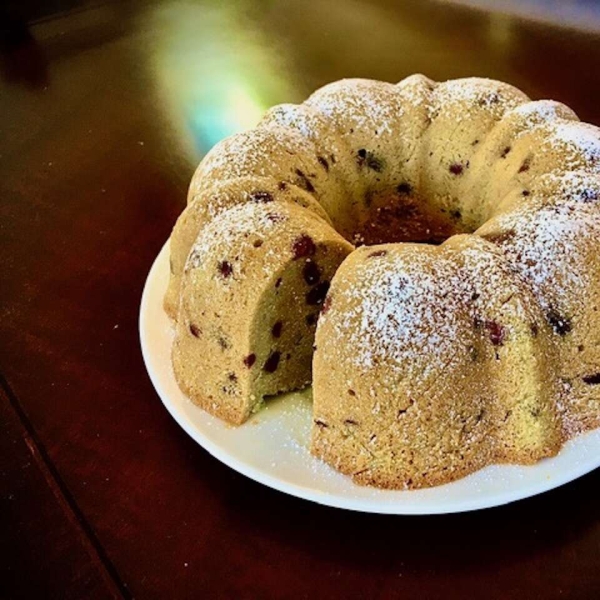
x,y
272,447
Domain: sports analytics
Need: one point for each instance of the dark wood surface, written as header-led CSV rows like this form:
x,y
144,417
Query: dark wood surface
x,y
104,111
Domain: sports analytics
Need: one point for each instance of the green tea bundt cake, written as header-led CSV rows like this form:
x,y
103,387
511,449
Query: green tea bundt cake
x,y
442,239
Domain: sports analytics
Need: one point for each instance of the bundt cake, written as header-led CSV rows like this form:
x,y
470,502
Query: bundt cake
x,y
442,239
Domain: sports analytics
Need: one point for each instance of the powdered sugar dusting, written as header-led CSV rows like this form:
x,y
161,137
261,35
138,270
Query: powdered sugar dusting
x,y
416,90
256,152
412,309
540,111
360,103
539,117
473,94
389,320
575,142
310,123
572,185
222,202
552,237
239,228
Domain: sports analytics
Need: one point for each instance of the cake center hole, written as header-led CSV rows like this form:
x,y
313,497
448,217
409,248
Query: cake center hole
x,y
401,215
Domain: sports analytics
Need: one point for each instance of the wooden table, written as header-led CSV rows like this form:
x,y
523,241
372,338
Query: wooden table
x,y
104,113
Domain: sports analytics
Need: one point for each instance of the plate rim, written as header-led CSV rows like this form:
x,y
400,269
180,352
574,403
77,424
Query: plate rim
x,y
364,505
